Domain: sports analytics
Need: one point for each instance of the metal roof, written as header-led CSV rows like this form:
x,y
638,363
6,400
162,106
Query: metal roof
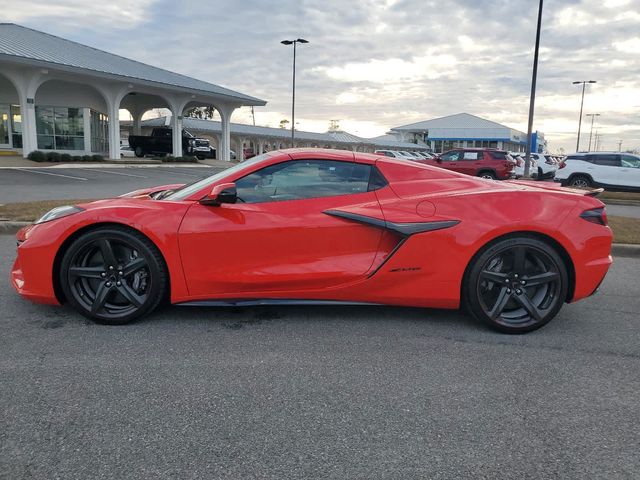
x,y
211,126
22,43
458,120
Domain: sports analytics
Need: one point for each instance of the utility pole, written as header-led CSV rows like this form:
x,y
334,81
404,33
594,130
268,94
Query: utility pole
x,y
532,98
253,114
584,83
619,145
592,115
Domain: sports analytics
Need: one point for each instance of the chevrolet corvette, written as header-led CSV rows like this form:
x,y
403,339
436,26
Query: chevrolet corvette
x,y
315,226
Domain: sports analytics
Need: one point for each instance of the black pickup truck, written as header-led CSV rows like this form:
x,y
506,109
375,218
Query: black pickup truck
x,y
160,142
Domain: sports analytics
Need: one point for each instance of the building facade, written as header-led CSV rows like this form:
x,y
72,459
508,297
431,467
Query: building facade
x,y
464,130
59,95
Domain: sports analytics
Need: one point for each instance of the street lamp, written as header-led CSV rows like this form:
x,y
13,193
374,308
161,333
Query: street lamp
x,y
593,116
584,83
293,97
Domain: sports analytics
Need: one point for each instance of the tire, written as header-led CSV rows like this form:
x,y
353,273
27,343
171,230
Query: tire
x,y
493,290
139,152
118,290
580,181
487,174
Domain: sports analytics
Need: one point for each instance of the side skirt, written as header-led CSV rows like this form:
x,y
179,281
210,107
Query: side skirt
x,y
265,301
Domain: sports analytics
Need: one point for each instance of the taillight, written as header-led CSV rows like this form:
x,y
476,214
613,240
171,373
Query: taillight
x,y
520,162
509,165
595,215
562,165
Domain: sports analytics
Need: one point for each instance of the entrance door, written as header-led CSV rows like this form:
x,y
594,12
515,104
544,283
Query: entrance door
x,y
5,133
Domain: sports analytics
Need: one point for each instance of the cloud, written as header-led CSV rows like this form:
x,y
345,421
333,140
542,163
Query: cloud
x,y
378,64
113,14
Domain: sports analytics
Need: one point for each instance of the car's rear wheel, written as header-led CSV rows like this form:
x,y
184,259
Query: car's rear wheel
x,y
516,285
113,275
487,174
580,181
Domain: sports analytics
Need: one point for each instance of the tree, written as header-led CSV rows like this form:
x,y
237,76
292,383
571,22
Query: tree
x,y
206,113
334,126
283,123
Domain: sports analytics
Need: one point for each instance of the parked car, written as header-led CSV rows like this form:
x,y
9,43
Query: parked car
x,y
126,151
520,160
479,162
392,233
611,170
389,153
161,142
547,166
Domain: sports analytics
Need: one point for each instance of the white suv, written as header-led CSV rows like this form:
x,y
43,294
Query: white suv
x,y
612,170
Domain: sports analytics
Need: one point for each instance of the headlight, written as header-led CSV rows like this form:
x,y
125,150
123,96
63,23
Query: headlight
x,y
59,212
192,142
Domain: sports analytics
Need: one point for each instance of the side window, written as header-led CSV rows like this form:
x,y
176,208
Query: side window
x,y
302,179
630,161
451,156
607,160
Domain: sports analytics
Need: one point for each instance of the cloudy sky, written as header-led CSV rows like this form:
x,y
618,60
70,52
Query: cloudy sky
x,y
376,64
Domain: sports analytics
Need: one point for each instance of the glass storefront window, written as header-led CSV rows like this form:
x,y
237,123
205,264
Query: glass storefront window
x,y
99,132
60,128
4,126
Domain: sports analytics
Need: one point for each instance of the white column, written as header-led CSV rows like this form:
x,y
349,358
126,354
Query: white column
x,y
240,149
260,147
29,133
114,129
225,112
176,133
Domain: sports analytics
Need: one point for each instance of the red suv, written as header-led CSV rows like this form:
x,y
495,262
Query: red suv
x,y
479,162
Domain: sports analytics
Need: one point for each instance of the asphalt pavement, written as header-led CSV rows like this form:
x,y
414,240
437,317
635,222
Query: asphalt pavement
x,y
310,392
29,184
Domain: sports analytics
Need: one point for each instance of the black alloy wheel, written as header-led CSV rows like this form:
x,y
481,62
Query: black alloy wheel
x,y
516,285
580,181
113,275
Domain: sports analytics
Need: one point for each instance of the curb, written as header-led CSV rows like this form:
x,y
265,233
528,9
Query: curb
x,y
617,249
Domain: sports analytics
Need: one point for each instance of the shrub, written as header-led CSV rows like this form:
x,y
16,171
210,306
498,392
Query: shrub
x,y
65,157
37,156
53,156
76,158
97,158
168,159
186,159
87,158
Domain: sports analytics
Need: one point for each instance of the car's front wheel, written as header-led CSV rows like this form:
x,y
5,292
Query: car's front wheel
x,y
113,275
139,152
516,285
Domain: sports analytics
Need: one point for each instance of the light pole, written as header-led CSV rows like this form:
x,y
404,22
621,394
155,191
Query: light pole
x,y
584,83
532,99
293,96
593,116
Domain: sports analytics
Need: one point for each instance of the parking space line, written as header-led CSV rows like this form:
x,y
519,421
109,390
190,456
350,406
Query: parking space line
x,y
113,173
184,174
49,173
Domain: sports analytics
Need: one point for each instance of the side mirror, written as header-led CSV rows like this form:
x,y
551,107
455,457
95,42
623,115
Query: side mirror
x,y
223,193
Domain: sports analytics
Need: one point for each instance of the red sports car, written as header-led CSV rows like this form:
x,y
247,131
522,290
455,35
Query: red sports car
x,y
314,226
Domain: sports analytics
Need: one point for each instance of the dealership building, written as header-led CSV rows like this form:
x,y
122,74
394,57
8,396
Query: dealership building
x,y
59,95
464,130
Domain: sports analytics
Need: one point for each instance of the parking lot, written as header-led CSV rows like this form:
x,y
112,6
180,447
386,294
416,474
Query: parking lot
x,y
29,184
335,392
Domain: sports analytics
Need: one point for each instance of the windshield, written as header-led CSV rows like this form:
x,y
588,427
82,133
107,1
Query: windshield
x,y
192,188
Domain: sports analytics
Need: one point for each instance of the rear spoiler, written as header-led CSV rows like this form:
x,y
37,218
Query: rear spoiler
x,y
594,193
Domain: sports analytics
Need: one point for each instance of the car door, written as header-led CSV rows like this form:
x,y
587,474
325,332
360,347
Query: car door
x,y
277,237
451,160
606,168
629,171
470,162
